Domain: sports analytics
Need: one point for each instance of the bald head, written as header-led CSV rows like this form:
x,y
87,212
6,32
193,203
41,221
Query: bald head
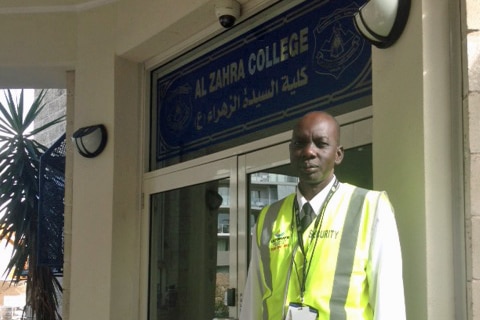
x,y
315,150
312,118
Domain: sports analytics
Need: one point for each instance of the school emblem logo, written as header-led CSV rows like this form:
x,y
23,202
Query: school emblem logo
x,y
175,114
336,46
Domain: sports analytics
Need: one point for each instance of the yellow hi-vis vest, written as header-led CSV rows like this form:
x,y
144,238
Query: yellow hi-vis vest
x,y
336,283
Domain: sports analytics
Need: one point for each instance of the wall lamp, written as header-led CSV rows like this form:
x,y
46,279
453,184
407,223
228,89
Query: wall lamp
x,y
90,141
382,21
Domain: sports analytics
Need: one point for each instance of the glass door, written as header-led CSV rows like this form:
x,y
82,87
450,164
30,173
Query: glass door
x,y
268,185
265,176
192,223
200,220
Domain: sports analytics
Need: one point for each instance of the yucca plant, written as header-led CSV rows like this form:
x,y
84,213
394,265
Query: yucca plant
x,y
19,197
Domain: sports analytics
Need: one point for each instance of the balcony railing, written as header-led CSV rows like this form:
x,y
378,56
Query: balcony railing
x,y
272,178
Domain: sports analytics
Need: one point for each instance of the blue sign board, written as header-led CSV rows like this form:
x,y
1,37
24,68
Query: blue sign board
x,y
308,58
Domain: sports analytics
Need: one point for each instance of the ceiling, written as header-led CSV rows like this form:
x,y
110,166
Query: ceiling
x,y
44,6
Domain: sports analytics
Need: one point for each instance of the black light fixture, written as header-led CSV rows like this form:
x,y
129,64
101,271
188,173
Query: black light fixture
x,y
382,21
90,141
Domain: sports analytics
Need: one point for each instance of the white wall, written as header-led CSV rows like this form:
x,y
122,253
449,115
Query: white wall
x,y
414,156
93,179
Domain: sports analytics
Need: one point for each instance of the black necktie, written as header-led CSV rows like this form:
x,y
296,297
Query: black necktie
x,y
308,217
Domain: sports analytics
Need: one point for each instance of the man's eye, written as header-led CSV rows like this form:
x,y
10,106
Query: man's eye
x,y
297,144
321,144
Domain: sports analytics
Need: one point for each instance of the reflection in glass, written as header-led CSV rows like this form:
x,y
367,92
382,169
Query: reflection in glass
x,y
188,277
266,187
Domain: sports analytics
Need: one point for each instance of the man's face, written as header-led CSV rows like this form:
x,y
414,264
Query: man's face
x,y
314,149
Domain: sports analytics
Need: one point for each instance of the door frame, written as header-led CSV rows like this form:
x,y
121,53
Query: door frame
x,y
174,179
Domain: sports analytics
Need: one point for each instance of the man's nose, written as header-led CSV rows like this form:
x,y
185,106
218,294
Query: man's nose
x,y
308,149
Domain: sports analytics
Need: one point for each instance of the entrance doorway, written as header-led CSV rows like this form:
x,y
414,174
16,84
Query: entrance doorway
x,y
201,216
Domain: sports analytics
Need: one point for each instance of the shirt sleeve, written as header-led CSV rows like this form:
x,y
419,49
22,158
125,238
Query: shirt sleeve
x,y
384,270
251,308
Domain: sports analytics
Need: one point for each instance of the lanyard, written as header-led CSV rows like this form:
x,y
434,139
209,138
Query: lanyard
x,y
313,235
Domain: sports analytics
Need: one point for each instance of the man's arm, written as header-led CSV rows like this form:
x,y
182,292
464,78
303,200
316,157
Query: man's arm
x,y
384,270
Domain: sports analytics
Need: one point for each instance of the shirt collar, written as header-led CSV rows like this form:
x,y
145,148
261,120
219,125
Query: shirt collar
x,y
318,199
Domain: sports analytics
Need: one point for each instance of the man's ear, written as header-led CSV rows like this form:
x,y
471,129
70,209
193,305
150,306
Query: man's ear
x,y
339,156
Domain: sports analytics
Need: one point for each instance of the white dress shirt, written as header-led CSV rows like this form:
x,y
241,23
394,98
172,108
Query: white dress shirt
x,y
384,267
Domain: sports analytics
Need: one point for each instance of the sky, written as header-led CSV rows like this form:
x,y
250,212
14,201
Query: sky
x,y
5,251
28,95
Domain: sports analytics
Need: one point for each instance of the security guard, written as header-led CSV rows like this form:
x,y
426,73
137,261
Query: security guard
x,y
330,251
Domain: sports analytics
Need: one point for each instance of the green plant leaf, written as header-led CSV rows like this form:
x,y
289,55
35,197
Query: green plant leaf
x,y
19,196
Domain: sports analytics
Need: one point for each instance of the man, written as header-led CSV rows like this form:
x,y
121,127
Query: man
x,y
345,264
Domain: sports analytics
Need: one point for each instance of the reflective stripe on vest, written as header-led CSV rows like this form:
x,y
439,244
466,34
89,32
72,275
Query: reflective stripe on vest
x,y
265,237
345,257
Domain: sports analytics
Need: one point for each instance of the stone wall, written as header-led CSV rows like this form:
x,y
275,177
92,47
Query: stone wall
x,y
56,104
471,35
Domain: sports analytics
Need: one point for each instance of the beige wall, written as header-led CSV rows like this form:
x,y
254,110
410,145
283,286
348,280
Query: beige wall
x,y
162,28
126,231
93,179
418,155
398,157
37,49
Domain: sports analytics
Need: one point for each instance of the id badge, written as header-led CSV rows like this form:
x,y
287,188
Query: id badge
x,y
299,312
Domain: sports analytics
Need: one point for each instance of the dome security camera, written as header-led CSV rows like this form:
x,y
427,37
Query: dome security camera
x,y
227,12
